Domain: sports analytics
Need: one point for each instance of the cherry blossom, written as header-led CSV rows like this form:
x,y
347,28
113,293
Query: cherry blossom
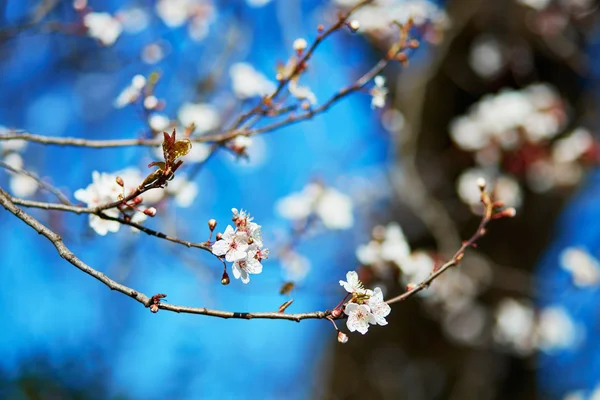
x,y
352,283
249,265
233,245
584,268
359,317
131,93
103,26
104,189
379,308
515,325
333,208
242,245
248,82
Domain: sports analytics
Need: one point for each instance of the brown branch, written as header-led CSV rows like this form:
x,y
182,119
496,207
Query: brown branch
x,y
221,138
488,215
69,256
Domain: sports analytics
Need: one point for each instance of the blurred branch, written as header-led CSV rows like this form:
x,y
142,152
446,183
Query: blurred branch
x,y
61,197
488,216
405,177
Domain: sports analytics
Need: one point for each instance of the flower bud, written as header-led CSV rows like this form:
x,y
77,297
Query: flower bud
x,y
120,181
336,313
300,45
151,212
212,224
150,102
354,25
154,308
137,200
320,28
225,278
481,183
342,337
219,236
410,286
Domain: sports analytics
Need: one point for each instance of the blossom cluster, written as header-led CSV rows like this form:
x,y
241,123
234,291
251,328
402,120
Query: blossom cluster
x,y
376,20
451,298
331,207
242,245
105,188
514,137
366,307
522,329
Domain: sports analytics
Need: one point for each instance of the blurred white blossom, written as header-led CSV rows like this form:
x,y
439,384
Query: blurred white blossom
x,y
515,325
205,116
248,82
103,27
333,208
379,92
583,267
104,189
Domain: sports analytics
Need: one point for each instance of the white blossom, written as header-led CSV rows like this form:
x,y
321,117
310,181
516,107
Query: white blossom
x,y
295,266
556,329
584,268
233,245
104,189
379,308
352,283
359,317
131,93
248,82
333,208
248,265
204,116
487,57
515,325
301,92
103,26
242,245
379,92
159,123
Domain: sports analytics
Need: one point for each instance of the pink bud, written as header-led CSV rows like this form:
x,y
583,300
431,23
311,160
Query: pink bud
x,y
151,212
154,308
120,181
336,313
225,278
342,337
212,224
219,236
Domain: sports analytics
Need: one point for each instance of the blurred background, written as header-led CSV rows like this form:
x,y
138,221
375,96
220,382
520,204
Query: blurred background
x,y
506,90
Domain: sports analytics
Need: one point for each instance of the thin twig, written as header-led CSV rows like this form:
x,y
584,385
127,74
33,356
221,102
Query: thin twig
x,y
68,255
61,197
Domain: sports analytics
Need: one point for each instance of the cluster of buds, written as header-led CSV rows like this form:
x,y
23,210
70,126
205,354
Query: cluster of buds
x,y
242,245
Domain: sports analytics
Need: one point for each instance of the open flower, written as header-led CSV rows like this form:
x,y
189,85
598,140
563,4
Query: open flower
x,y
379,308
233,245
353,284
248,265
242,245
359,317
